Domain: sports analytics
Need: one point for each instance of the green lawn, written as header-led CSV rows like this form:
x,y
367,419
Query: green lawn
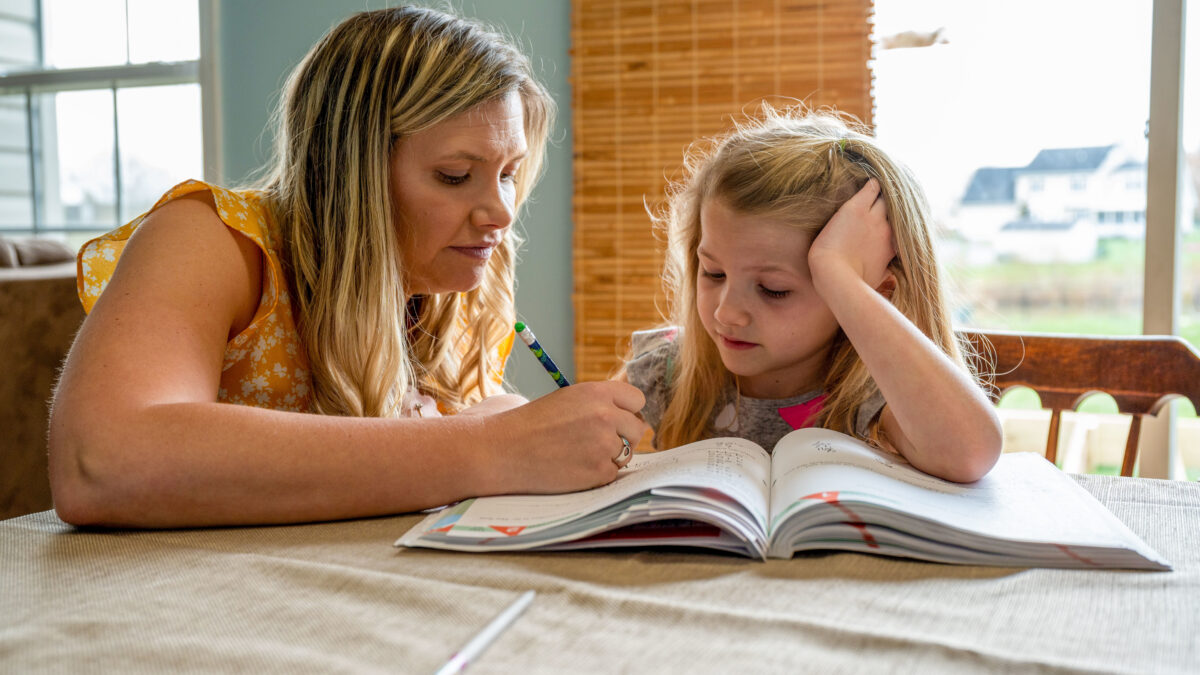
x,y
1098,297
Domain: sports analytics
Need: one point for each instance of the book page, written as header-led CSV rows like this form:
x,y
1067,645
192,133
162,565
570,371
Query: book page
x,y
1023,499
732,466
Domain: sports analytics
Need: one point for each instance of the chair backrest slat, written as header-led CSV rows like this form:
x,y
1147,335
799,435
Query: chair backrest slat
x,y
1141,373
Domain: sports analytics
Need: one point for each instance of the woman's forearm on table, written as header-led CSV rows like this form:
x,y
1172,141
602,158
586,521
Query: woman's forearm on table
x,y
183,464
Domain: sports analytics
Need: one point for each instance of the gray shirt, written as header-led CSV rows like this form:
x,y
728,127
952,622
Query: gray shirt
x,y
756,419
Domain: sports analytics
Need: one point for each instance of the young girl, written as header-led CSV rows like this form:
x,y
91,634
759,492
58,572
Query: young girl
x,y
804,291
286,353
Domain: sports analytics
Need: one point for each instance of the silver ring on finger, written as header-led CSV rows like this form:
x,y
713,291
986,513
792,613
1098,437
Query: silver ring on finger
x,y
626,454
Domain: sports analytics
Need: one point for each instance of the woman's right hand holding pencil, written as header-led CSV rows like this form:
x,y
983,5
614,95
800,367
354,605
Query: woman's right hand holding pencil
x,y
570,438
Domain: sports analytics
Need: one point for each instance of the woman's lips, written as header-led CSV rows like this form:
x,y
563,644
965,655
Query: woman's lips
x,y
730,343
476,252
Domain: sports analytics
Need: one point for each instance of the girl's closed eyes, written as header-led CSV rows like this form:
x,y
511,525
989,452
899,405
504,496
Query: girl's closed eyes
x,y
717,277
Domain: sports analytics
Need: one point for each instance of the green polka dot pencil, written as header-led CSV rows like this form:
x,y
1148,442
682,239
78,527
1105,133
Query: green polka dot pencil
x,y
528,338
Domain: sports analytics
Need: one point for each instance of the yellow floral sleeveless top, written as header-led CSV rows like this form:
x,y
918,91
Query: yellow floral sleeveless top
x,y
265,365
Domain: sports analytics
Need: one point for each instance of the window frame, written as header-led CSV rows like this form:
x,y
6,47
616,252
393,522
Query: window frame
x,y
1161,305
31,83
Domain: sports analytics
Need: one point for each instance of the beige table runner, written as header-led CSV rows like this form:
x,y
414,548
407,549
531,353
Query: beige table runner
x,y
336,597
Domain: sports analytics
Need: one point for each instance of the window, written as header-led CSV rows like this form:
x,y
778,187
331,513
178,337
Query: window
x,y
1029,119
99,111
1026,124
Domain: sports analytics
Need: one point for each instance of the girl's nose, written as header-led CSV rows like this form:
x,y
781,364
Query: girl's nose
x,y
730,309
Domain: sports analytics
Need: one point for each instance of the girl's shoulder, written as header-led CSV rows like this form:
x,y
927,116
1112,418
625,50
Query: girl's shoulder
x,y
651,364
656,341
651,368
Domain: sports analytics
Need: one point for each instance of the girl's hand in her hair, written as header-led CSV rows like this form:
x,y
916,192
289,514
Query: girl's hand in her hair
x,y
567,440
857,237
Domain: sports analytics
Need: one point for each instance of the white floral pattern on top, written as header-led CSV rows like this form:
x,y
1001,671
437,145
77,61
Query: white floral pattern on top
x,y
265,365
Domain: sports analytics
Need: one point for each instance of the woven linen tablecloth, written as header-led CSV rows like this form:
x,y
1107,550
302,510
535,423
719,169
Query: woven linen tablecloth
x,y
337,597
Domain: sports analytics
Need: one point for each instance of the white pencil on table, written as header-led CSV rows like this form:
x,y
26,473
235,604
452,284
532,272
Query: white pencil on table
x,y
485,637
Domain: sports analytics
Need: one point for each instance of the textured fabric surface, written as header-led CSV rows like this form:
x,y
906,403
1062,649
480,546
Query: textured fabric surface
x,y
337,597
39,315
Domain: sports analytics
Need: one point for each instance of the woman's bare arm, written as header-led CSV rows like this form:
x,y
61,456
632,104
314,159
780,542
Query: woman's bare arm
x,y
138,439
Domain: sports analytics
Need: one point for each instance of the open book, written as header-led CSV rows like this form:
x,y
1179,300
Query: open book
x,y
819,490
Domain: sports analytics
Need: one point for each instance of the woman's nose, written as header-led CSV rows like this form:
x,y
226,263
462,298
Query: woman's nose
x,y
495,208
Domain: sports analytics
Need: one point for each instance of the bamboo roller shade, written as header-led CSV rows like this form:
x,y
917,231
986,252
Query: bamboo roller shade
x,y
648,78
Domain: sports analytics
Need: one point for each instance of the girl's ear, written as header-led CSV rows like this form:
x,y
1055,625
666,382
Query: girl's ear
x,y
888,286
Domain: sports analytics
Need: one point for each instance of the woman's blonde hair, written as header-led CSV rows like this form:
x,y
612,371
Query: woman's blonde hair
x,y
799,166
377,77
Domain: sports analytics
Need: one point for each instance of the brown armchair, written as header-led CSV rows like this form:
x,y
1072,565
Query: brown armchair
x,y
39,315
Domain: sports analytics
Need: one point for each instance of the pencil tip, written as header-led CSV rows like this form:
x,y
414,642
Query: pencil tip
x,y
520,326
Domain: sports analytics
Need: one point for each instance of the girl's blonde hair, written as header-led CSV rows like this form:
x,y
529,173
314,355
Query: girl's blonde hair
x,y
373,79
799,166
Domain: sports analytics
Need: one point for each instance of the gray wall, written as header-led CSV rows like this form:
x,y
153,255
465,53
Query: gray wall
x,y
260,41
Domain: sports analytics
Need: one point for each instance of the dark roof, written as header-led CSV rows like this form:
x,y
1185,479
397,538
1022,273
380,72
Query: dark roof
x,y
1037,226
1069,159
990,185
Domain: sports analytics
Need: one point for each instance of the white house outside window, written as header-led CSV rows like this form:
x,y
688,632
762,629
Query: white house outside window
x,y
1031,137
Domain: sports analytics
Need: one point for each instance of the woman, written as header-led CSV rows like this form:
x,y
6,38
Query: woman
x,y
285,353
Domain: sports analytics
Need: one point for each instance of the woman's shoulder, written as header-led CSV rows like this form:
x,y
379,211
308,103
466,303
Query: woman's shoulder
x,y
240,211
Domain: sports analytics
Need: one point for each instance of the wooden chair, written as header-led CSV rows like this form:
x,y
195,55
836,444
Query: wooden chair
x,y
1141,373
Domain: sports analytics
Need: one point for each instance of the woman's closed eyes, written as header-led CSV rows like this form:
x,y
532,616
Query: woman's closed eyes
x,y
452,179
459,179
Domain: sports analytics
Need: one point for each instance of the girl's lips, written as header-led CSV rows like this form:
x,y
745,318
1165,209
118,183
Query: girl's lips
x,y
476,252
730,343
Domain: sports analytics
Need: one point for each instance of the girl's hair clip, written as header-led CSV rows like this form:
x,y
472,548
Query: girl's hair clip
x,y
842,144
